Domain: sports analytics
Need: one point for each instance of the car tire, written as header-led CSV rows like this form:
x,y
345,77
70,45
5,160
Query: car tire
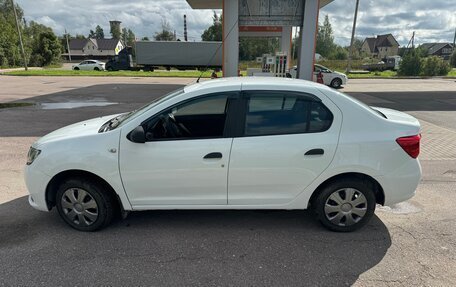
x,y
345,205
96,69
76,69
336,83
84,204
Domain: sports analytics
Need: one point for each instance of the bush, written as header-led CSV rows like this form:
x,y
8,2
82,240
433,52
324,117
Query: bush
x,y
453,59
410,64
435,66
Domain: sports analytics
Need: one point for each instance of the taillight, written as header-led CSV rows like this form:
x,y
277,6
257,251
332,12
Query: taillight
x,y
411,145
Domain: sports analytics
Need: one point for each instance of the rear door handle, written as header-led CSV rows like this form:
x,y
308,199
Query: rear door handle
x,y
316,151
213,155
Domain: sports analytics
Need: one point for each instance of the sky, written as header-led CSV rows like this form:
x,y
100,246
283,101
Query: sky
x,y
432,20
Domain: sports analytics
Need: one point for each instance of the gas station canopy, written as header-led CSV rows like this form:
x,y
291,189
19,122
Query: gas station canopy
x,y
253,18
218,4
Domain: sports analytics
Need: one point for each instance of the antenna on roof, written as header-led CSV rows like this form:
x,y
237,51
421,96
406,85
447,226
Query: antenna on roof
x,y
216,51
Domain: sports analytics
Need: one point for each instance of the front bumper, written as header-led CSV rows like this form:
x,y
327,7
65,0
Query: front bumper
x,y
36,182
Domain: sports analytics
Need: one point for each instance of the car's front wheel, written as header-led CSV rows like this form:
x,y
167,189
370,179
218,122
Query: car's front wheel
x,y
84,204
345,205
336,83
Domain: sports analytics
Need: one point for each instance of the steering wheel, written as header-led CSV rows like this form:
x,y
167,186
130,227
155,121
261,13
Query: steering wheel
x,y
180,126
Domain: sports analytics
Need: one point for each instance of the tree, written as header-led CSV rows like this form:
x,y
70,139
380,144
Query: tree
x,y
325,39
214,32
453,59
410,64
145,38
99,33
434,66
128,37
165,34
91,34
10,54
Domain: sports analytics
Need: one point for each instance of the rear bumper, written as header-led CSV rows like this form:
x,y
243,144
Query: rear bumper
x,y
400,184
36,183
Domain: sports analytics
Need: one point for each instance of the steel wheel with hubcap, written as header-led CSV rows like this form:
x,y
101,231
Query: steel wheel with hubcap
x,y
345,205
85,204
79,206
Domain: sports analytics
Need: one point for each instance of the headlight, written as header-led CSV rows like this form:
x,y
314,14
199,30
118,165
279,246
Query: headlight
x,y
32,155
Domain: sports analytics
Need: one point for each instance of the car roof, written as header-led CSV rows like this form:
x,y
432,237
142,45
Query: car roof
x,y
245,82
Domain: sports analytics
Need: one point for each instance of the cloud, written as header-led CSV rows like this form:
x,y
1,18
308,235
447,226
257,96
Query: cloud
x,y
144,17
431,20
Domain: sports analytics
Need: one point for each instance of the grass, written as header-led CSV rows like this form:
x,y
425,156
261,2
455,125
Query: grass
x,y
452,73
14,105
156,73
383,74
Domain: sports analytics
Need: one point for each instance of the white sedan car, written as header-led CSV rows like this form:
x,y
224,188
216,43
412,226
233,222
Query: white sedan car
x,y
90,65
233,143
330,78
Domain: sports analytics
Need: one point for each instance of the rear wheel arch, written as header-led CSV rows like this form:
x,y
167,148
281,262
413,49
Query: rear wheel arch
x,y
377,188
58,179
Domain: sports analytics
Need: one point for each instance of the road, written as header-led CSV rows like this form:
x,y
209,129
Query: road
x,y
412,243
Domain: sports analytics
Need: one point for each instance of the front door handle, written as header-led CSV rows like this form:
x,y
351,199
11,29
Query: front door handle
x,y
316,151
213,155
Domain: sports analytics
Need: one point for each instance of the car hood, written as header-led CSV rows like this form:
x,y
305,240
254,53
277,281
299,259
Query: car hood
x,y
341,74
81,129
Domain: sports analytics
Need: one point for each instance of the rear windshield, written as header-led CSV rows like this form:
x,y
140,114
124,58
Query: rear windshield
x,y
362,104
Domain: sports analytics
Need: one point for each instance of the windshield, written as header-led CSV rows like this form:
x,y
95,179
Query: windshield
x,y
118,120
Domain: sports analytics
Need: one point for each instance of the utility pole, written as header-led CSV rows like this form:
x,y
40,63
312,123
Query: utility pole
x,y
413,40
68,46
454,40
20,36
350,53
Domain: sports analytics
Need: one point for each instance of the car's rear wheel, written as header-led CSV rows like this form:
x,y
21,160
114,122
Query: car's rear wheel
x,y
84,204
336,83
76,69
345,205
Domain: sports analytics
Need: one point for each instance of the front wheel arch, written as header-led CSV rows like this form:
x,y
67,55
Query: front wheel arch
x,y
59,178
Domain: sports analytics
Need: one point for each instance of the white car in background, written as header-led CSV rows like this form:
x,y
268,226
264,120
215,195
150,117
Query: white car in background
x,y
90,65
330,78
232,143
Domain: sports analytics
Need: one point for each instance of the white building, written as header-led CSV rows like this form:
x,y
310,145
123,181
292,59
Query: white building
x,y
94,48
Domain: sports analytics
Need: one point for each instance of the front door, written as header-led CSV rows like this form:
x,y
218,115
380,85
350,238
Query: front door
x,y
185,159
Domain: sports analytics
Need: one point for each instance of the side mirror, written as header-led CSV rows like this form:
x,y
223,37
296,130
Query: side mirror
x,y
137,135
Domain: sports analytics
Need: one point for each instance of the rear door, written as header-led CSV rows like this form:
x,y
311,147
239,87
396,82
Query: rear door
x,y
287,140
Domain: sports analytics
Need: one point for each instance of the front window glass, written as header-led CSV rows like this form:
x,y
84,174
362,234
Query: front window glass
x,y
115,122
200,118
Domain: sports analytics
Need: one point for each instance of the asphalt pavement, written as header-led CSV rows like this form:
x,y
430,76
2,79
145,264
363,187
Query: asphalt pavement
x,y
409,244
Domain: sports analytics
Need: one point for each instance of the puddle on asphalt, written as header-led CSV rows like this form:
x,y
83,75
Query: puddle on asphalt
x,y
73,105
400,208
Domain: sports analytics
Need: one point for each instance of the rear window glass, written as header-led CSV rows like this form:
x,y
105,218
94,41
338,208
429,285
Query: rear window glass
x,y
281,113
